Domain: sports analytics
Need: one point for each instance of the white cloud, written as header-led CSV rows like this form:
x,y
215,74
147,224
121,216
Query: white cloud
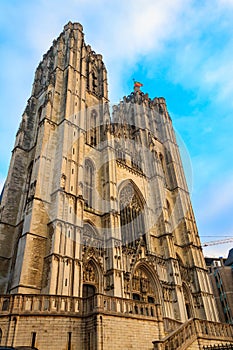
x,y
228,3
217,199
144,26
123,32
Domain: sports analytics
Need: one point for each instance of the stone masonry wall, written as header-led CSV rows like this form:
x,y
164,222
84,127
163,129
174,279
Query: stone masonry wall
x,y
123,332
94,332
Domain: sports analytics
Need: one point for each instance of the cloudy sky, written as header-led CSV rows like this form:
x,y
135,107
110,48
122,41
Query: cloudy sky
x,y
179,49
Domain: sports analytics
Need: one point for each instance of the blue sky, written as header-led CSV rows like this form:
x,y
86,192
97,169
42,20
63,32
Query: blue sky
x,y
179,49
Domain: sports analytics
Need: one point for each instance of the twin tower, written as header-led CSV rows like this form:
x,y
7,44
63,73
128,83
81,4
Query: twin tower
x,y
99,246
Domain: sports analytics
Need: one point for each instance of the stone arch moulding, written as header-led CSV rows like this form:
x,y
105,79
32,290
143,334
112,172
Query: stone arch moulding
x,y
124,183
91,162
132,214
88,226
151,277
93,275
91,240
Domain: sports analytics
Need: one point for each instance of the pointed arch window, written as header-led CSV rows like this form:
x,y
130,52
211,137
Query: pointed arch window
x,y
88,183
131,216
93,128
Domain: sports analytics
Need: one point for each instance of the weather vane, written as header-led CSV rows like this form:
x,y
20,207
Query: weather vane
x,y
137,85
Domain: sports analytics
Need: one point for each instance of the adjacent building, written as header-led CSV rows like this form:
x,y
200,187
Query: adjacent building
x,y
221,276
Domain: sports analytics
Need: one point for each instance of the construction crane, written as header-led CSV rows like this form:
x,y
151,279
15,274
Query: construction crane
x,y
221,241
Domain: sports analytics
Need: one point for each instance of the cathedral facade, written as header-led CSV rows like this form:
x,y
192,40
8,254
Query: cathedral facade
x,y
99,245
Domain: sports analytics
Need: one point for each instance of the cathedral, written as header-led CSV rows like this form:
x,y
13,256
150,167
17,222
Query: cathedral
x,y
99,247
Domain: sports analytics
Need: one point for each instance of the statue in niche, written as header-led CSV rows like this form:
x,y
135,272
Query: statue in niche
x,y
63,181
89,273
80,188
144,285
107,126
136,283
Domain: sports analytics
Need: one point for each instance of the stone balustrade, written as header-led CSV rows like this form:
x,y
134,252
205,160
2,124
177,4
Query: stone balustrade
x,y
45,304
194,329
170,324
183,335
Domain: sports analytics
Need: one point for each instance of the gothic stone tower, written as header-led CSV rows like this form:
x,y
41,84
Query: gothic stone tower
x,y
98,236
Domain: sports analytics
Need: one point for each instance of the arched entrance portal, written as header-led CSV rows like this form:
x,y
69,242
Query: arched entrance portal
x,y
88,290
90,279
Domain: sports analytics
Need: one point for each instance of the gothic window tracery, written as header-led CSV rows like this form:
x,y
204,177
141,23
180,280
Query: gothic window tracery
x,y
88,183
136,161
92,242
120,154
131,216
